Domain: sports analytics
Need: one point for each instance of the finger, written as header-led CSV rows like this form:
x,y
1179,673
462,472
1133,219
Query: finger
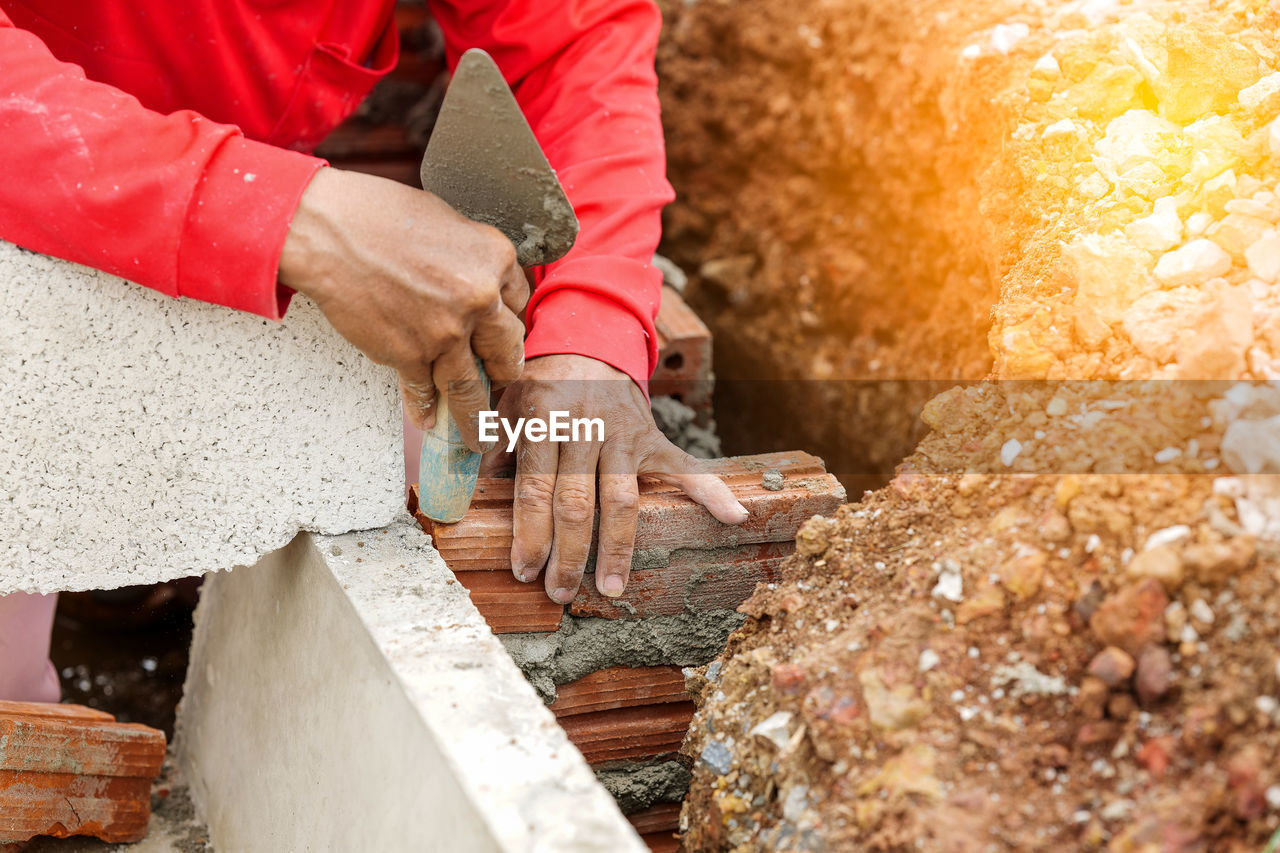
x,y
619,508
515,289
573,517
531,516
501,461
498,339
456,372
672,465
419,394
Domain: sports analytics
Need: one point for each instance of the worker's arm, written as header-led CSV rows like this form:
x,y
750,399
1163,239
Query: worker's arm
x,y
583,73
190,207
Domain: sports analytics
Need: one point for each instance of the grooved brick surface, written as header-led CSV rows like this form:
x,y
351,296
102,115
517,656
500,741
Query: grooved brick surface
x,y
68,770
149,438
630,734
620,687
685,559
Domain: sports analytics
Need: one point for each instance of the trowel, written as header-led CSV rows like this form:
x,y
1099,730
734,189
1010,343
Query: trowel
x,y
485,162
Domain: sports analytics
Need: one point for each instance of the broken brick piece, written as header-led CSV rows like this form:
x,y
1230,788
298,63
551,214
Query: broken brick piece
x,y
684,357
629,734
686,579
664,841
68,770
620,687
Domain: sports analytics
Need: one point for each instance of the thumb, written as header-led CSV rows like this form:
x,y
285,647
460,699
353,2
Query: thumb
x,y
670,464
467,393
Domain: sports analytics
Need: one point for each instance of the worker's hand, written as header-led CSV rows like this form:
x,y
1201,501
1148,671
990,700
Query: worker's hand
x,y
414,285
556,483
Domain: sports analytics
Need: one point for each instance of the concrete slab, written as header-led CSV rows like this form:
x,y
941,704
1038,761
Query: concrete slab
x,y
344,694
147,438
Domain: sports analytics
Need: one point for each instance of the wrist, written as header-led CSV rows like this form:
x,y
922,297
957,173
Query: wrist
x,y
301,259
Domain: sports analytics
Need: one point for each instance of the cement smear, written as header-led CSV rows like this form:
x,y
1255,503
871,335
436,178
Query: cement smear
x,y
583,646
638,785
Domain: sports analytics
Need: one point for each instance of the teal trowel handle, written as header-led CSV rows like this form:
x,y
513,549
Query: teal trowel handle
x,y
447,469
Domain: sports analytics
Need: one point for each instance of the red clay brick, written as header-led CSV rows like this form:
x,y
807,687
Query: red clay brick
x,y
667,517
658,818
661,842
710,565
629,734
693,580
684,357
68,770
620,687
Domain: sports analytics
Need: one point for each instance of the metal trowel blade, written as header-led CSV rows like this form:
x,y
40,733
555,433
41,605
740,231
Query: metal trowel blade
x,y
485,162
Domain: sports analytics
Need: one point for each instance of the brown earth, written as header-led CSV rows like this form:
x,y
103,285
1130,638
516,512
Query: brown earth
x,y
993,653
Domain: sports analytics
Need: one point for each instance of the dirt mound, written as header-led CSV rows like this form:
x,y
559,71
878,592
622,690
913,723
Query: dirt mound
x,y
1057,628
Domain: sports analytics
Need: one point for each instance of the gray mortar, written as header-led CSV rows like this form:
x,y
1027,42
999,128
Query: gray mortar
x,y
583,646
638,785
675,419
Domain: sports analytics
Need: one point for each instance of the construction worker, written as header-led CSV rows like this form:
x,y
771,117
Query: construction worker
x,y
163,142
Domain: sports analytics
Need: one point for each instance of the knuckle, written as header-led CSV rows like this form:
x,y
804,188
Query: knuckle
x,y
573,506
535,493
623,500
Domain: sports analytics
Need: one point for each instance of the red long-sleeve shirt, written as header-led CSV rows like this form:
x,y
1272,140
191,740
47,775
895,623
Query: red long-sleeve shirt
x,y
161,141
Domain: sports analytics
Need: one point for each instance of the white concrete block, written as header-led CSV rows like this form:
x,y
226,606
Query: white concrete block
x,y
344,694
145,438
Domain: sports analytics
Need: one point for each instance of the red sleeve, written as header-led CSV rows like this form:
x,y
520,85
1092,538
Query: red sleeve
x,y
583,73
175,202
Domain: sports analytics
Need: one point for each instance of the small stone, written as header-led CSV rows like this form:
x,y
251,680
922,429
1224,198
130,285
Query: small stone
x,y
1154,675
1253,97
776,729
1201,612
1091,699
1009,451
1215,563
950,586
1154,755
928,660
1273,797
1168,536
1193,264
989,599
1263,257
1132,617
1057,407
1160,231
814,537
1121,706
1113,666
773,480
717,757
788,678
1024,574
1162,563
1175,619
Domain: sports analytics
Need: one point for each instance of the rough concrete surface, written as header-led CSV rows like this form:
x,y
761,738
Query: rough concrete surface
x,y
417,732
582,646
147,438
637,786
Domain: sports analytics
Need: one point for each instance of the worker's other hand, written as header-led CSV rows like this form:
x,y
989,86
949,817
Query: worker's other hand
x,y
556,483
414,285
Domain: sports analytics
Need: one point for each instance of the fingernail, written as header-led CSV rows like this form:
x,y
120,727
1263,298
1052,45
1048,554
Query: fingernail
x,y
742,512
612,586
562,595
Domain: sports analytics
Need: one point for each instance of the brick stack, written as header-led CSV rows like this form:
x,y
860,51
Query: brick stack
x,y
69,770
686,563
